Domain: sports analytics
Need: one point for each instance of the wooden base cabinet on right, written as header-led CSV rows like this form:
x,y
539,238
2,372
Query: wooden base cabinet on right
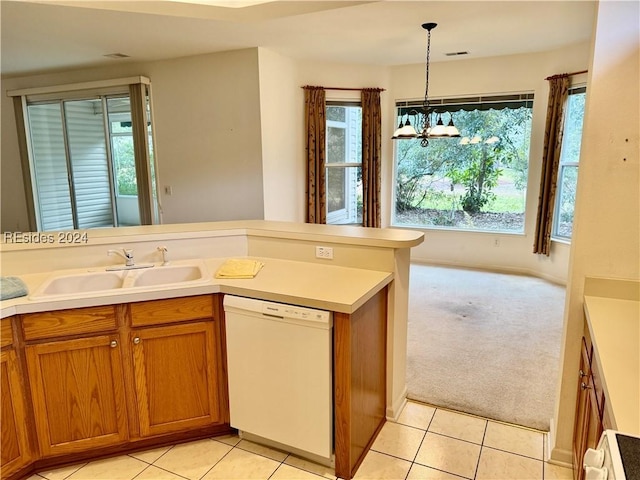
x,y
589,420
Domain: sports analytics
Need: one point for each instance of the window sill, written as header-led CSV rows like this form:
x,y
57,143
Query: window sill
x,y
457,230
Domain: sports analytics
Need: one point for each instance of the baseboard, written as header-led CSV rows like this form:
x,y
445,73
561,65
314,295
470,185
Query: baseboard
x,y
399,402
490,268
557,456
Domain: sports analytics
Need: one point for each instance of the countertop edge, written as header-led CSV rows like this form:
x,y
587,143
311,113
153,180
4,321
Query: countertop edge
x,y
374,282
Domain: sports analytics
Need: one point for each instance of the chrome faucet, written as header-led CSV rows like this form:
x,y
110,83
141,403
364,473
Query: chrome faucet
x,y
165,255
126,253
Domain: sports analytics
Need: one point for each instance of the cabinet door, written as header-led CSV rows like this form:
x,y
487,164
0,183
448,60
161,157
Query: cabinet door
x,y
78,394
14,450
175,377
582,415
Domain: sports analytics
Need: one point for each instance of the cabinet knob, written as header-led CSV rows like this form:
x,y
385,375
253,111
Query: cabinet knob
x,y
136,340
113,344
584,386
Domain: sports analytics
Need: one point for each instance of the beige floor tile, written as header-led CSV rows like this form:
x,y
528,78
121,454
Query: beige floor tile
x,y
458,425
150,456
155,473
515,440
287,472
420,472
399,440
378,466
116,468
309,466
449,454
496,464
271,453
556,472
61,473
35,476
194,459
232,440
239,464
416,415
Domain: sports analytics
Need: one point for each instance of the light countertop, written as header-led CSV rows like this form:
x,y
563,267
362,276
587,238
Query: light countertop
x,y
614,325
334,288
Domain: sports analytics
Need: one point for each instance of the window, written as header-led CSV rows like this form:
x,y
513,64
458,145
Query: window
x,y
81,161
568,167
475,182
344,163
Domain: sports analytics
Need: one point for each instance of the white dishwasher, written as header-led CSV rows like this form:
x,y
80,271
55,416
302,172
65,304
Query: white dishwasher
x,y
280,374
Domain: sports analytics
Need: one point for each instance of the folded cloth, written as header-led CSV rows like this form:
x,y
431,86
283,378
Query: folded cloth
x,y
12,287
239,268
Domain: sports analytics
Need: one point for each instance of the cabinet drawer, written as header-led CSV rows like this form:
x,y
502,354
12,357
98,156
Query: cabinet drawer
x,y
6,332
157,312
69,322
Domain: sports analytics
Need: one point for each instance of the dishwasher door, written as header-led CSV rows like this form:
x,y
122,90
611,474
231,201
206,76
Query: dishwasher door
x,y
280,373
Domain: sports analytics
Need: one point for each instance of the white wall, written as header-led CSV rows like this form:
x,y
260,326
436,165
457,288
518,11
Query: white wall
x,y
607,218
282,144
516,73
208,136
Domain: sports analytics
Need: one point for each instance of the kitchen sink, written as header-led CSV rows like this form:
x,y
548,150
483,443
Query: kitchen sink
x,y
170,274
80,283
123,281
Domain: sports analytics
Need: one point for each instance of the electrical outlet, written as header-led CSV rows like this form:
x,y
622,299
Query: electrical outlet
x,y
168,190
324,252
496,242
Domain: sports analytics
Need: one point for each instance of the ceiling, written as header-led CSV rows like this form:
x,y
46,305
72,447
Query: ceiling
x,y
41,36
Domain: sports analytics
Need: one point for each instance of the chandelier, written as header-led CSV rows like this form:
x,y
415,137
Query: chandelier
x,y
424,117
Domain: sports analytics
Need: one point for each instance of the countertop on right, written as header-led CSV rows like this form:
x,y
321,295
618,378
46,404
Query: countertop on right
x,y
614,325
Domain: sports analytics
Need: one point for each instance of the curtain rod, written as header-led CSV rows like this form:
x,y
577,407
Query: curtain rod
x,y
561,75
344,88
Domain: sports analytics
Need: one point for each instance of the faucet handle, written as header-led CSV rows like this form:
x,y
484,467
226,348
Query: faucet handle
x,y
165,256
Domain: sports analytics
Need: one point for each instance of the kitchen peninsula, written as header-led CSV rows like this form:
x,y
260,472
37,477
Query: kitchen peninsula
x,y
365,285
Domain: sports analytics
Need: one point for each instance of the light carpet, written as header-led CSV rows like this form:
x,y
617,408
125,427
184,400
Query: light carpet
x,y
485,343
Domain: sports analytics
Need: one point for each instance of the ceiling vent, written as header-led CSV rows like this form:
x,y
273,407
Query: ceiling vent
x,y
455,54
116,55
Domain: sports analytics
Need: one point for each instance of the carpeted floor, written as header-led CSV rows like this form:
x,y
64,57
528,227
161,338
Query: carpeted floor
x,y
485,343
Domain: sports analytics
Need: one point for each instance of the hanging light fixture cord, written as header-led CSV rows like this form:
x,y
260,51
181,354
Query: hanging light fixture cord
x,y
425,104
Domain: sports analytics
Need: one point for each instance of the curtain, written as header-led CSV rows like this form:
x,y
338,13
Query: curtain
x,y
138,99
371,152
315,123
558,93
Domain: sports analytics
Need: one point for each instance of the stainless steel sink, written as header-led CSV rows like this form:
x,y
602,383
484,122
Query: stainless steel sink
x,y
182,273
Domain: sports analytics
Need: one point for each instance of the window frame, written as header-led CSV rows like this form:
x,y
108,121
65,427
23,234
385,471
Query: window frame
x,y
443,105
562,165
139,88
332,216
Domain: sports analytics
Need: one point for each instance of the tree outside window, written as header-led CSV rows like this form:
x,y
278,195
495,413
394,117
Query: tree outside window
x,y
476,182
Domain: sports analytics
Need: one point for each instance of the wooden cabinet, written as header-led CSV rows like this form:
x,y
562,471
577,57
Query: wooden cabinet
x,y
78,394
588,424
115,375
176,363
175,377
15,451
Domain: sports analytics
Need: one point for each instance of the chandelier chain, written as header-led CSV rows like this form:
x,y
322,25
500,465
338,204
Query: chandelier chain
x,y
425,104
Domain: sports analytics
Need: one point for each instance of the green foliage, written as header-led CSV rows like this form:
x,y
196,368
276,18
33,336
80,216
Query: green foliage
x,y
445,164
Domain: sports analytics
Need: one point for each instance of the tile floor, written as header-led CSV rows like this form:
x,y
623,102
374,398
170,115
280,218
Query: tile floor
x,y
426,443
